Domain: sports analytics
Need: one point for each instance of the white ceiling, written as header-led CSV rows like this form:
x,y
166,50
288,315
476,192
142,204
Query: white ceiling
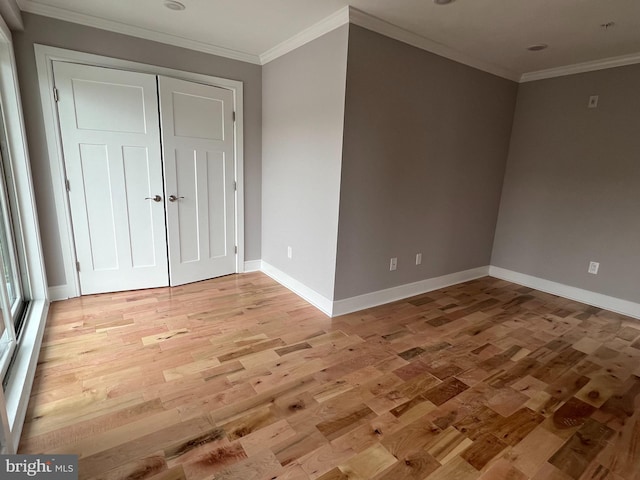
x,y
490,33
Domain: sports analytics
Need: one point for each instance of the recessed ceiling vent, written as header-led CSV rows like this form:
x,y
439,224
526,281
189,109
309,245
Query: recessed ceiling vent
x,y
173,5
537,47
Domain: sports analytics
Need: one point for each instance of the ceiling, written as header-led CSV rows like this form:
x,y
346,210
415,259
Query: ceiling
x,y
492,34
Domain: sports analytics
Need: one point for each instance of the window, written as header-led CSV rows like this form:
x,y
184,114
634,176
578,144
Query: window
x,y
10,293
11,289
21,264
12,255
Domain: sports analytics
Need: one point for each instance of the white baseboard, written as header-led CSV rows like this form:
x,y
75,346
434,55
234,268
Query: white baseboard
x,y
314,298
252,266
59,292
599,300
373,299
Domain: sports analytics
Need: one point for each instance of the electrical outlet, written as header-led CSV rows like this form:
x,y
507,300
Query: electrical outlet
x,y
593,101
593,268
289,253
418,258
393,264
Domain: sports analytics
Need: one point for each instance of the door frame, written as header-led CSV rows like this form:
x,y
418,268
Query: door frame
x,y
45,56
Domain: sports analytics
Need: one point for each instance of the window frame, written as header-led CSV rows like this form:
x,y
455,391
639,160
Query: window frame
x,y
27,241
7,196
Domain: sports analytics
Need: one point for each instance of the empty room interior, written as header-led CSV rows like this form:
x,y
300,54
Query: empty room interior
x,y
285,239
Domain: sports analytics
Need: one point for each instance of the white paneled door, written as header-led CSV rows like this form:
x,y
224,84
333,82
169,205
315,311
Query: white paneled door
x,y
134,228
109,125
198,149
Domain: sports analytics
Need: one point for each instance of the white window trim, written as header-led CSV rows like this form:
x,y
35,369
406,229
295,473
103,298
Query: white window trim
x,y
45,56
23,370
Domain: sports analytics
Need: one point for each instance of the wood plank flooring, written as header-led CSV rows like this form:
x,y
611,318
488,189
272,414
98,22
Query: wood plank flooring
x,y
237,378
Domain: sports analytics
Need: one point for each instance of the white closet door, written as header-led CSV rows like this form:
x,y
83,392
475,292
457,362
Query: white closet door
x,y
198,148
111,141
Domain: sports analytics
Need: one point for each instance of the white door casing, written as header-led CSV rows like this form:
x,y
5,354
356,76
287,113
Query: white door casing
x,y
199,167
110,137
45,57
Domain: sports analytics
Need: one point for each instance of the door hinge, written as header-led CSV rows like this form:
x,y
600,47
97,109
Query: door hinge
x,y
55,94
67,184
78,266
235,186
236,249
234,116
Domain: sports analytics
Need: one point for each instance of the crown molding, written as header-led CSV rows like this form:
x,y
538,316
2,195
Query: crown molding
x,y
341,17
61,14
362,19
584,67
370,22
10,12
324,26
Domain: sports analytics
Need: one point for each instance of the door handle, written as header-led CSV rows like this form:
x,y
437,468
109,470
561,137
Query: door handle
x,y
157,198
173,198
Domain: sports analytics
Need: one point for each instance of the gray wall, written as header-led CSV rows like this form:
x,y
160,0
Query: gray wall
x,y
425,146
303,112
572,187
48,31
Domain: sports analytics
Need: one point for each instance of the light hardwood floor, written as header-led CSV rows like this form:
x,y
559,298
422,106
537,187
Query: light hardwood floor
x,y
237,378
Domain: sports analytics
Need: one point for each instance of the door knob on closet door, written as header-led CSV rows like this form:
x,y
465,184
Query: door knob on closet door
x,y
157,198
173,198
